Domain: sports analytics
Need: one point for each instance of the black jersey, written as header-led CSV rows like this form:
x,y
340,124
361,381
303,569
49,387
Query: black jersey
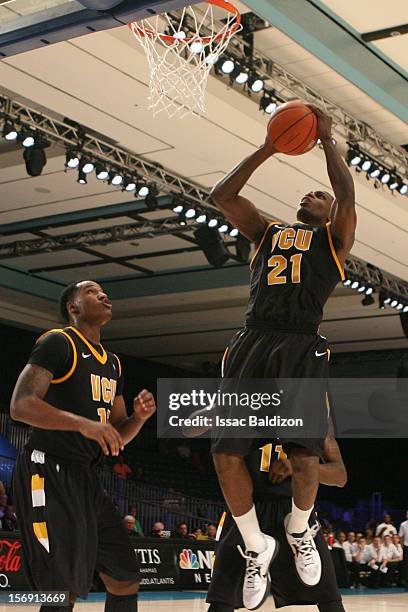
x,y
86,380
258,462
294,270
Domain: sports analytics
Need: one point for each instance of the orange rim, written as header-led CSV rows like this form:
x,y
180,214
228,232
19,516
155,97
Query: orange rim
x,y
136,29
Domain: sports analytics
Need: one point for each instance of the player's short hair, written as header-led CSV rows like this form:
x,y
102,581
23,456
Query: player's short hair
x,y
65,297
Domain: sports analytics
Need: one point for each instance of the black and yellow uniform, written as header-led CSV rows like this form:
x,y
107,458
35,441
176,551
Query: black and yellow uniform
x,y
272,504
69,526
294,270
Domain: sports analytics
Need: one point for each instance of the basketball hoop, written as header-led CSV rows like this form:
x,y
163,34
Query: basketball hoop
x,y
181,52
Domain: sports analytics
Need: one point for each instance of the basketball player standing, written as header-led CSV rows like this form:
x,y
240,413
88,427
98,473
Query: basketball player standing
x,y
294,270
70,392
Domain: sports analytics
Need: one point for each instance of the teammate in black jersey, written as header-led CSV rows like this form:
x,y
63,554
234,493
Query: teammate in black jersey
x,y
294,270
70,392
270,471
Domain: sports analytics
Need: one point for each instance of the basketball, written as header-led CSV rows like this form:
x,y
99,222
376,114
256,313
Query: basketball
x,y
292,129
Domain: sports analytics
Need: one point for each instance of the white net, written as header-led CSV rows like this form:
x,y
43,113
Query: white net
x,y
181,49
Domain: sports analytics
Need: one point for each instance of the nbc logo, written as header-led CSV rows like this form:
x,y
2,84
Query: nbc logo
x,y
188,560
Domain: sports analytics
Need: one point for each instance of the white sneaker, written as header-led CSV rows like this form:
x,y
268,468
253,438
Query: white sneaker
x,y
307,558
257,580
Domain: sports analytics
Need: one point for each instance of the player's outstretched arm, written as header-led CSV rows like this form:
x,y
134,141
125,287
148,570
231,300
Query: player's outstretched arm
x,y
239,210
343,216
333,472
27,405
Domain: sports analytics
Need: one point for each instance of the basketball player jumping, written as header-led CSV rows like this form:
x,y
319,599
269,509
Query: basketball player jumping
x,y
294,270
70,392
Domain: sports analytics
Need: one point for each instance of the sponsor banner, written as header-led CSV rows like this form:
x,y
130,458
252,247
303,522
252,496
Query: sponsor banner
x,y
165,564
11,570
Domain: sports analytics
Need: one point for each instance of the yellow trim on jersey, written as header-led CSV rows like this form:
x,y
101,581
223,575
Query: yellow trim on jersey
x,y
328,354
119,364
220,525
333,250
261,242
37,482
57,381
101,358
223,360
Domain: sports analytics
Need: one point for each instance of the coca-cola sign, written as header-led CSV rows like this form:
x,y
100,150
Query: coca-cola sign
x,y
10,556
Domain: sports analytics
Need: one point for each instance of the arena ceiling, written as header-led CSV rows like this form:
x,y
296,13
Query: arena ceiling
x,y
170,305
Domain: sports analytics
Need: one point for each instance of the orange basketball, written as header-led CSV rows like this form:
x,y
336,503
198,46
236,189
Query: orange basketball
x,y
292,129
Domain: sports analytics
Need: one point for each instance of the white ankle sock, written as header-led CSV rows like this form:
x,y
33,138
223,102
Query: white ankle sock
x,y
251,533
298,520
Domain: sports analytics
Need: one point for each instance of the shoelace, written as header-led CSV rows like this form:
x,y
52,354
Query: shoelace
x,y
304,547
253,568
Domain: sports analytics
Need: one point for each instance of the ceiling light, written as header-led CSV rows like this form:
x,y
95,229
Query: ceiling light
x,y
355,284
71,159
234,232
27,139
81,177
366,165
35,159
394,303
223,228
102,174
87,166
242,77
129,185
142,190
375,171
394,182
9,131
201,218
190,213
178,209
117,179
405,309
255,83
213,223
227,66
367,300
361,288
385,177
403,189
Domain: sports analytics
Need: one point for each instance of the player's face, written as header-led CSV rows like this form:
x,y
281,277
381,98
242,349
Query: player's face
x,y
91,304
314,207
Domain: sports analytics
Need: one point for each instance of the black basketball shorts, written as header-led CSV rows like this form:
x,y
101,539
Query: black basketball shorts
x,y
266,354
287,589
69,526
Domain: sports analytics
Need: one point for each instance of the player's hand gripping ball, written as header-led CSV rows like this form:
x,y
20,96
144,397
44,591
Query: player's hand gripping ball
x,y
292,129
144,405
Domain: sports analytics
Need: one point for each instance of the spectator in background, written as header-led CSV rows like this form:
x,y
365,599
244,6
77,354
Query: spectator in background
x,y
158,529
9,521
385,528
361,557
198,534
396,540
377,563
403,533
392,559
369,535
138,527
121,469
340,539
350,548
182,532
3,504
129,524
211,532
